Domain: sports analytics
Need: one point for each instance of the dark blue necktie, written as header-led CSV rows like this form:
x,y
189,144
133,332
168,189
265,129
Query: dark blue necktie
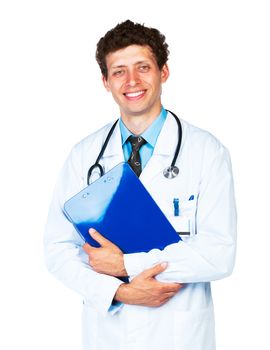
x,y
135,159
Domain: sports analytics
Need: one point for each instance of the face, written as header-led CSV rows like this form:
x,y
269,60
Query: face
x,y
135,80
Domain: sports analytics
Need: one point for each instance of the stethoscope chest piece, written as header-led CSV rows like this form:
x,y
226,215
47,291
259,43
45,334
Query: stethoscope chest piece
x,y
171,172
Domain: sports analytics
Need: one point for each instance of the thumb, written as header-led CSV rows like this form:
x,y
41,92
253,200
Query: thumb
x,y
99,238
155,270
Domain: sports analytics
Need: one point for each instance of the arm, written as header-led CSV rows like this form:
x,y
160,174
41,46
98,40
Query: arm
x,y
64,255
144,289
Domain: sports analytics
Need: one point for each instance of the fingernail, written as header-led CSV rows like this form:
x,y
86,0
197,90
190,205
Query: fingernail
x,y
164,264
92,231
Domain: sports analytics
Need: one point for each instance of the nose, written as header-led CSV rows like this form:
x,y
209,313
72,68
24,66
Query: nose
x,y
132,78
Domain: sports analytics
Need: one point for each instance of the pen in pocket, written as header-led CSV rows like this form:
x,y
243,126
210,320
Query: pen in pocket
x,y
176,207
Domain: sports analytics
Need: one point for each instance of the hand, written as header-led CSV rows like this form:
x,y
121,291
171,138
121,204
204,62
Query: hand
x,y
145,290
107,259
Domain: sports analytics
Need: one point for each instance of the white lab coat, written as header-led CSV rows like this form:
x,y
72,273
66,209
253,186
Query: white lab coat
x,y
187,321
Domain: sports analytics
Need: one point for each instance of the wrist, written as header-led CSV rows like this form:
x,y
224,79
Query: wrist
x,y
122,272
121,292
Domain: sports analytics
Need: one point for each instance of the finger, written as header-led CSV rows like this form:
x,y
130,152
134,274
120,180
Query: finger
x,y
171,287
99,238
88,248
165,301
169,295
155,270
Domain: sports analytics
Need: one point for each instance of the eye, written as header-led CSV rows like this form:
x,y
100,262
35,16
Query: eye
x,y
118,73
144,68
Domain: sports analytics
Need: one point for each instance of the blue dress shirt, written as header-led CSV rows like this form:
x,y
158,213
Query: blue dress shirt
x,y
150,135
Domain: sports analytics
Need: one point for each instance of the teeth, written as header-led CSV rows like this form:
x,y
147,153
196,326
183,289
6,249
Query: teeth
x,y
134,94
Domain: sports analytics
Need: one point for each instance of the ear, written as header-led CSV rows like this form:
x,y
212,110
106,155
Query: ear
x,y
165,73
106,83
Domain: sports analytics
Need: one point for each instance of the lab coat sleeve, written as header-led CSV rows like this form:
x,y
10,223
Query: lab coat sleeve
x,y
209,254
64,255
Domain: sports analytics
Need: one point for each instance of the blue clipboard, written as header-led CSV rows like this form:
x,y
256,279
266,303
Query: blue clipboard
x,y
119,207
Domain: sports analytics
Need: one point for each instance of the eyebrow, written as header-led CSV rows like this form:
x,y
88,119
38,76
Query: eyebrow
x,y
122,65
119,66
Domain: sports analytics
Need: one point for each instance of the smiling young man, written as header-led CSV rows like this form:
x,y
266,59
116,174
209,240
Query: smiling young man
x,y
134,79
167,303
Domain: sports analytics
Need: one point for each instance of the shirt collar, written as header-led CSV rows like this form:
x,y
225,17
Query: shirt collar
x,y
150,134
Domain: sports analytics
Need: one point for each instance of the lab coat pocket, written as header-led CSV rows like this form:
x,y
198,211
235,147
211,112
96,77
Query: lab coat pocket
x,y
181,225
185,224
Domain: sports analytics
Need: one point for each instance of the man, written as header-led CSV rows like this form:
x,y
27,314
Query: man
x,y
168,303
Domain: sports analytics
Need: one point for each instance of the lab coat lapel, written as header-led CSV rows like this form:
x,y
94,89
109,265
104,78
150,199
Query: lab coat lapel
x,y
163,152
113,154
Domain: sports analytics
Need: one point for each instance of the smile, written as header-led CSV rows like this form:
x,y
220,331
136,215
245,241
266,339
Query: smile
x,y
135,95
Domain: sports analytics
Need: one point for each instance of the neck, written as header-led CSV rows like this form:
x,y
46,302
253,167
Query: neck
x,y
137,124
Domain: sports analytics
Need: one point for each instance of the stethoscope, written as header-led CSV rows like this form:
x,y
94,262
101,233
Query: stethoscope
x,y
169,172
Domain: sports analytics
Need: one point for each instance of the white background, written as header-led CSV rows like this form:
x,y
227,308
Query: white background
x,y
52,96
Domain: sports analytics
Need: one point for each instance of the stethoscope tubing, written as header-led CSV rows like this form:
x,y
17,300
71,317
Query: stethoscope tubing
x,y
101,170
96,164
178,146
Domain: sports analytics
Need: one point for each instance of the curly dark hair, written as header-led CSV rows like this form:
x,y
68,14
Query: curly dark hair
x,y
130,33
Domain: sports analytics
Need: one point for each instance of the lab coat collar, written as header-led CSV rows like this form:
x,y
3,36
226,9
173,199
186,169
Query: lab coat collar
x,y
168,137
163,152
